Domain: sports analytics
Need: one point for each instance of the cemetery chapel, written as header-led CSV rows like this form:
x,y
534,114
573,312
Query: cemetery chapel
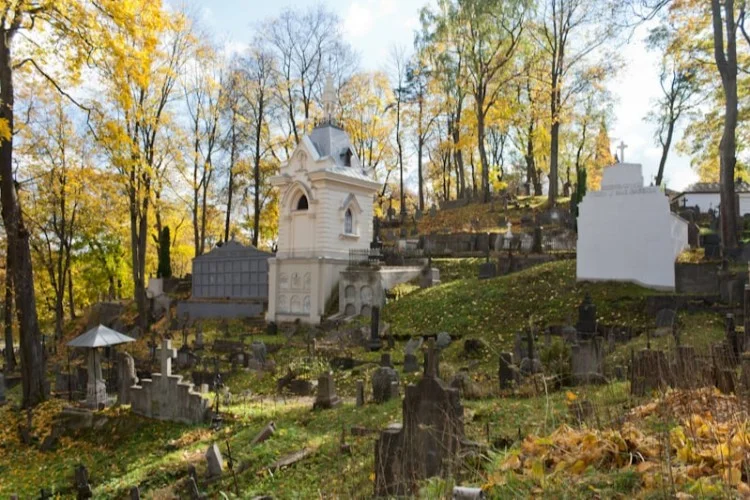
x,y
325,210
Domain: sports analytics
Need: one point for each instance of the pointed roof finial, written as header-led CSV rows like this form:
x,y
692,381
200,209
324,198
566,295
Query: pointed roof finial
x,y
329,98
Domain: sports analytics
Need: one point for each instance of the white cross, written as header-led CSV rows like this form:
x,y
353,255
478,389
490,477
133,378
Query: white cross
x,y
166,353
622,147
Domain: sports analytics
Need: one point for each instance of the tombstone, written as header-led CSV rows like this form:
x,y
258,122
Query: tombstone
x,y
382,380
2,389
214,461
259,351
198,343
694,235
586,325
96,389
429,277
649,371
627,232
83,488
327,397
587,361
505,371
165,396
433,210
443,340
487,270
536,246
360,393
427,443
264,434
712,246
385,360
126,377
411,364
566,190
135,493
375,341
432,360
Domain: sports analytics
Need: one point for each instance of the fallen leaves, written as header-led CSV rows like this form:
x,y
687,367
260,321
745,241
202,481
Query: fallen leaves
x,y
700,454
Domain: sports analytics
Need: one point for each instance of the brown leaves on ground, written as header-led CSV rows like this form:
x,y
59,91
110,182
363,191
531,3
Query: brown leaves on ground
x,y
708,450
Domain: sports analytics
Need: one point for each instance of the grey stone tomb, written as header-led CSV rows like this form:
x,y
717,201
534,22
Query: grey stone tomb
x,y
166,396
214,461
126,377
360,393
96,390
382,380
443,340
327,397
411,364
505,370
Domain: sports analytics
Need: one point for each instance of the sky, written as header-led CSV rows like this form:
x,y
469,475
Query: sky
x,y
373,27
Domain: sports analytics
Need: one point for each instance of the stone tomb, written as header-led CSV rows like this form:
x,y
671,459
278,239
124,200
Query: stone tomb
x,y
327,397
166,396
427,443
626,232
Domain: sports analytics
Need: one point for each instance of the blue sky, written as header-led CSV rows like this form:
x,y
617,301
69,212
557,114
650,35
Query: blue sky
x,y
373,27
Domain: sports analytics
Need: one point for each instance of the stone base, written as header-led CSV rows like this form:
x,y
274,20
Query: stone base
x,y
327,405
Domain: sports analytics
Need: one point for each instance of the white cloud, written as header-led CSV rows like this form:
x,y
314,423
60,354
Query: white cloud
x,y
359,20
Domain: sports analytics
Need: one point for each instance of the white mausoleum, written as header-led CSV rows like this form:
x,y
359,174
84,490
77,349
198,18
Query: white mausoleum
x,y
626,232
325,210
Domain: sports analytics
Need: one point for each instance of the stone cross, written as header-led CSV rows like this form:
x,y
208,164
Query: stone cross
x,y
166,353
622,147
329,96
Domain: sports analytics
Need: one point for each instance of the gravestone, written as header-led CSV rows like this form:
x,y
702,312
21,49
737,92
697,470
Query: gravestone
x,y
586,325
327,397
427,443
185,357
83,488
375,341
198,343
382,380
265,433
487,270
587,361
712,246
360,393
627,232
665,322
126,377
385,360
443,340
505,370
214,461
135,493
411,364
694,235
259,351
166,397
96,389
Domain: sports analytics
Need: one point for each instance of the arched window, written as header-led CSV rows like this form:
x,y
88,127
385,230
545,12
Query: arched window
x,y
302,203
348,222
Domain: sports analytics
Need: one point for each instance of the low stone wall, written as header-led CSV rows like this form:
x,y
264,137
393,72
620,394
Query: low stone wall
x,y
168,398
702,278
219,310
507,264
361,289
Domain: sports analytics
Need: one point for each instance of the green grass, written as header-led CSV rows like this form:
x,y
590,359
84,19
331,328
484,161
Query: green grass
x,y
498,308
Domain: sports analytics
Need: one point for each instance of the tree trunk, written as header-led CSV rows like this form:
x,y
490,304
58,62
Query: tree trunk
x,y
483,154
726,63
32,355
256,176
554,139
402,200
665,152
10,357
420,178
553,162
230,187
71,301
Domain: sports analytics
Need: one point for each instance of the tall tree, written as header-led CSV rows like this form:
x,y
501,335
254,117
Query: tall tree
x,y
140,72
679,87
492,29
398,76
203,98
68,24
570,31
259,70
